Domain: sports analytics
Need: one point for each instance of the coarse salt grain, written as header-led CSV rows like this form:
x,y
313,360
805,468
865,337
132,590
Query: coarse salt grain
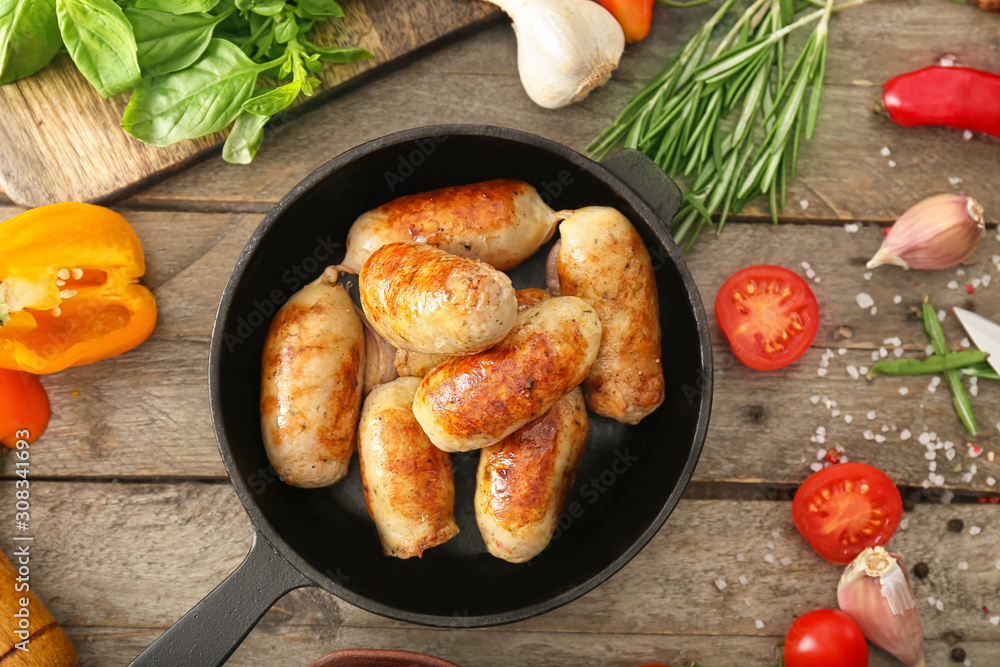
x,y
924,438
986,279
991,481
936,380
898,352
769,558
962,565
941,315
864,300
852,370
785,561
871,414
885,151
995,620
820,454
904,523
873,310
769,545
874,355
892,163
952,284
932,466
929,350
834,413
931,600
905,434
975,530
967,134
868,275
740,557
930,456
879,438
744,580
810,273
965,342
848,418
842,351
775,534
821,372
816,467
804,203
820,430
852,227
759,624
748,601
897,299
950,454
883,353
806,265
814,399
720,584
954,180
863,370
868,434
940,605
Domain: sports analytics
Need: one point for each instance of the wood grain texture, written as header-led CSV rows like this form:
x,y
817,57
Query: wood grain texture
x,y
665,600
842,174
61,141
145,413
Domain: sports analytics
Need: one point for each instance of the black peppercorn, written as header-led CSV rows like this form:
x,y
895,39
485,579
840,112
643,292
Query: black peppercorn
x,y
921,570
958,654
908,505
955,525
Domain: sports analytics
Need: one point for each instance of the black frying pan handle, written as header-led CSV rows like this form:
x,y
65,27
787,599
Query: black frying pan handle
x,y
648,181
208,634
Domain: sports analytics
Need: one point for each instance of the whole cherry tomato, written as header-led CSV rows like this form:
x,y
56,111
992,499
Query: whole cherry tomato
x,y
768,314
845,508
24,407
825,638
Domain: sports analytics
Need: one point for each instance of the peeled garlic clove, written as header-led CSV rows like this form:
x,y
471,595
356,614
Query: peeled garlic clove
x,y
565,48
875,591
936,233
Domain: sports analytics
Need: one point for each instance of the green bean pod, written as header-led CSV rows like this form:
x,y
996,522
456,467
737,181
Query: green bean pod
x,y
933,364
958,396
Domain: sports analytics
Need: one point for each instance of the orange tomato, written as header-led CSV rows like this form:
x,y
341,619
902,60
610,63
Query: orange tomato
x,y
24,407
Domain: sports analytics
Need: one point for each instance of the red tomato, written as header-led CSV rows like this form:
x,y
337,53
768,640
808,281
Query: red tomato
x,y
768,314
845,508
24,407
825,638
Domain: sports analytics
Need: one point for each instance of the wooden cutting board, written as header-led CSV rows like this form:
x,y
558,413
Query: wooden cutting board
x,y
60,141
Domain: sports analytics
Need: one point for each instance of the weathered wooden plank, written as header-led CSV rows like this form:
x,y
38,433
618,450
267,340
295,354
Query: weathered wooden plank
x,y
842,172
146,412
299,646
140,540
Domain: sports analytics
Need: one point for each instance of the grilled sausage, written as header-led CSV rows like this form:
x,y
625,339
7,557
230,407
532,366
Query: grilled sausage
x,y
603,260
524,480
427,300
311,381
408,483
470,402
418,364
499,222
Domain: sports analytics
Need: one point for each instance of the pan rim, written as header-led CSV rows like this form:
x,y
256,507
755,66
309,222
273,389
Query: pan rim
x,y
263,527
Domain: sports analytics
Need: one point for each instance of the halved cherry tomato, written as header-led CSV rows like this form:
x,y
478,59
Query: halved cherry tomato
x,y
825,638
768,314
24,407
845,508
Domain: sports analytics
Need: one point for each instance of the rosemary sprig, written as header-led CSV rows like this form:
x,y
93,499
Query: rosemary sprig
x,y
681,119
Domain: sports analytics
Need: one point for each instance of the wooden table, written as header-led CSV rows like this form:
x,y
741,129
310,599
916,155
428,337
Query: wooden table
x,y
136,519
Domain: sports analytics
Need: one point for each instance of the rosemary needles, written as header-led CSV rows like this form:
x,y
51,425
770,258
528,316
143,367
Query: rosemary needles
x,y
684,118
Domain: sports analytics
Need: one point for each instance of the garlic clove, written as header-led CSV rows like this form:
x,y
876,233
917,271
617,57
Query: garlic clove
x,y
936,233
875,591
565,48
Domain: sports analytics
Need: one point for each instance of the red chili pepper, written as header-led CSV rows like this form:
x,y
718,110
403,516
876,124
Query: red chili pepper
x,y
958,97
833,455
635,16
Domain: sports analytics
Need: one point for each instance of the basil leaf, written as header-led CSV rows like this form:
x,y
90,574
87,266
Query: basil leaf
x,y
273,101
340,54
262,7
167,43
177,6
321,7
192,102
100,41
245,138
29,37
285,30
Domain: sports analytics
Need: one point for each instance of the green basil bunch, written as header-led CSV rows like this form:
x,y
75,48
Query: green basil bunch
x,y
193,64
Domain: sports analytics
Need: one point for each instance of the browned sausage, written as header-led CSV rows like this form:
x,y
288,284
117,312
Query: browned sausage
x,y
408,482
418,364
525,479
427,300
603,260
499,222
470,402
311,382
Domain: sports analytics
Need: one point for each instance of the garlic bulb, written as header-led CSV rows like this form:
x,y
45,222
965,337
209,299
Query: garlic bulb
x,y
875,591
565,48
936,233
